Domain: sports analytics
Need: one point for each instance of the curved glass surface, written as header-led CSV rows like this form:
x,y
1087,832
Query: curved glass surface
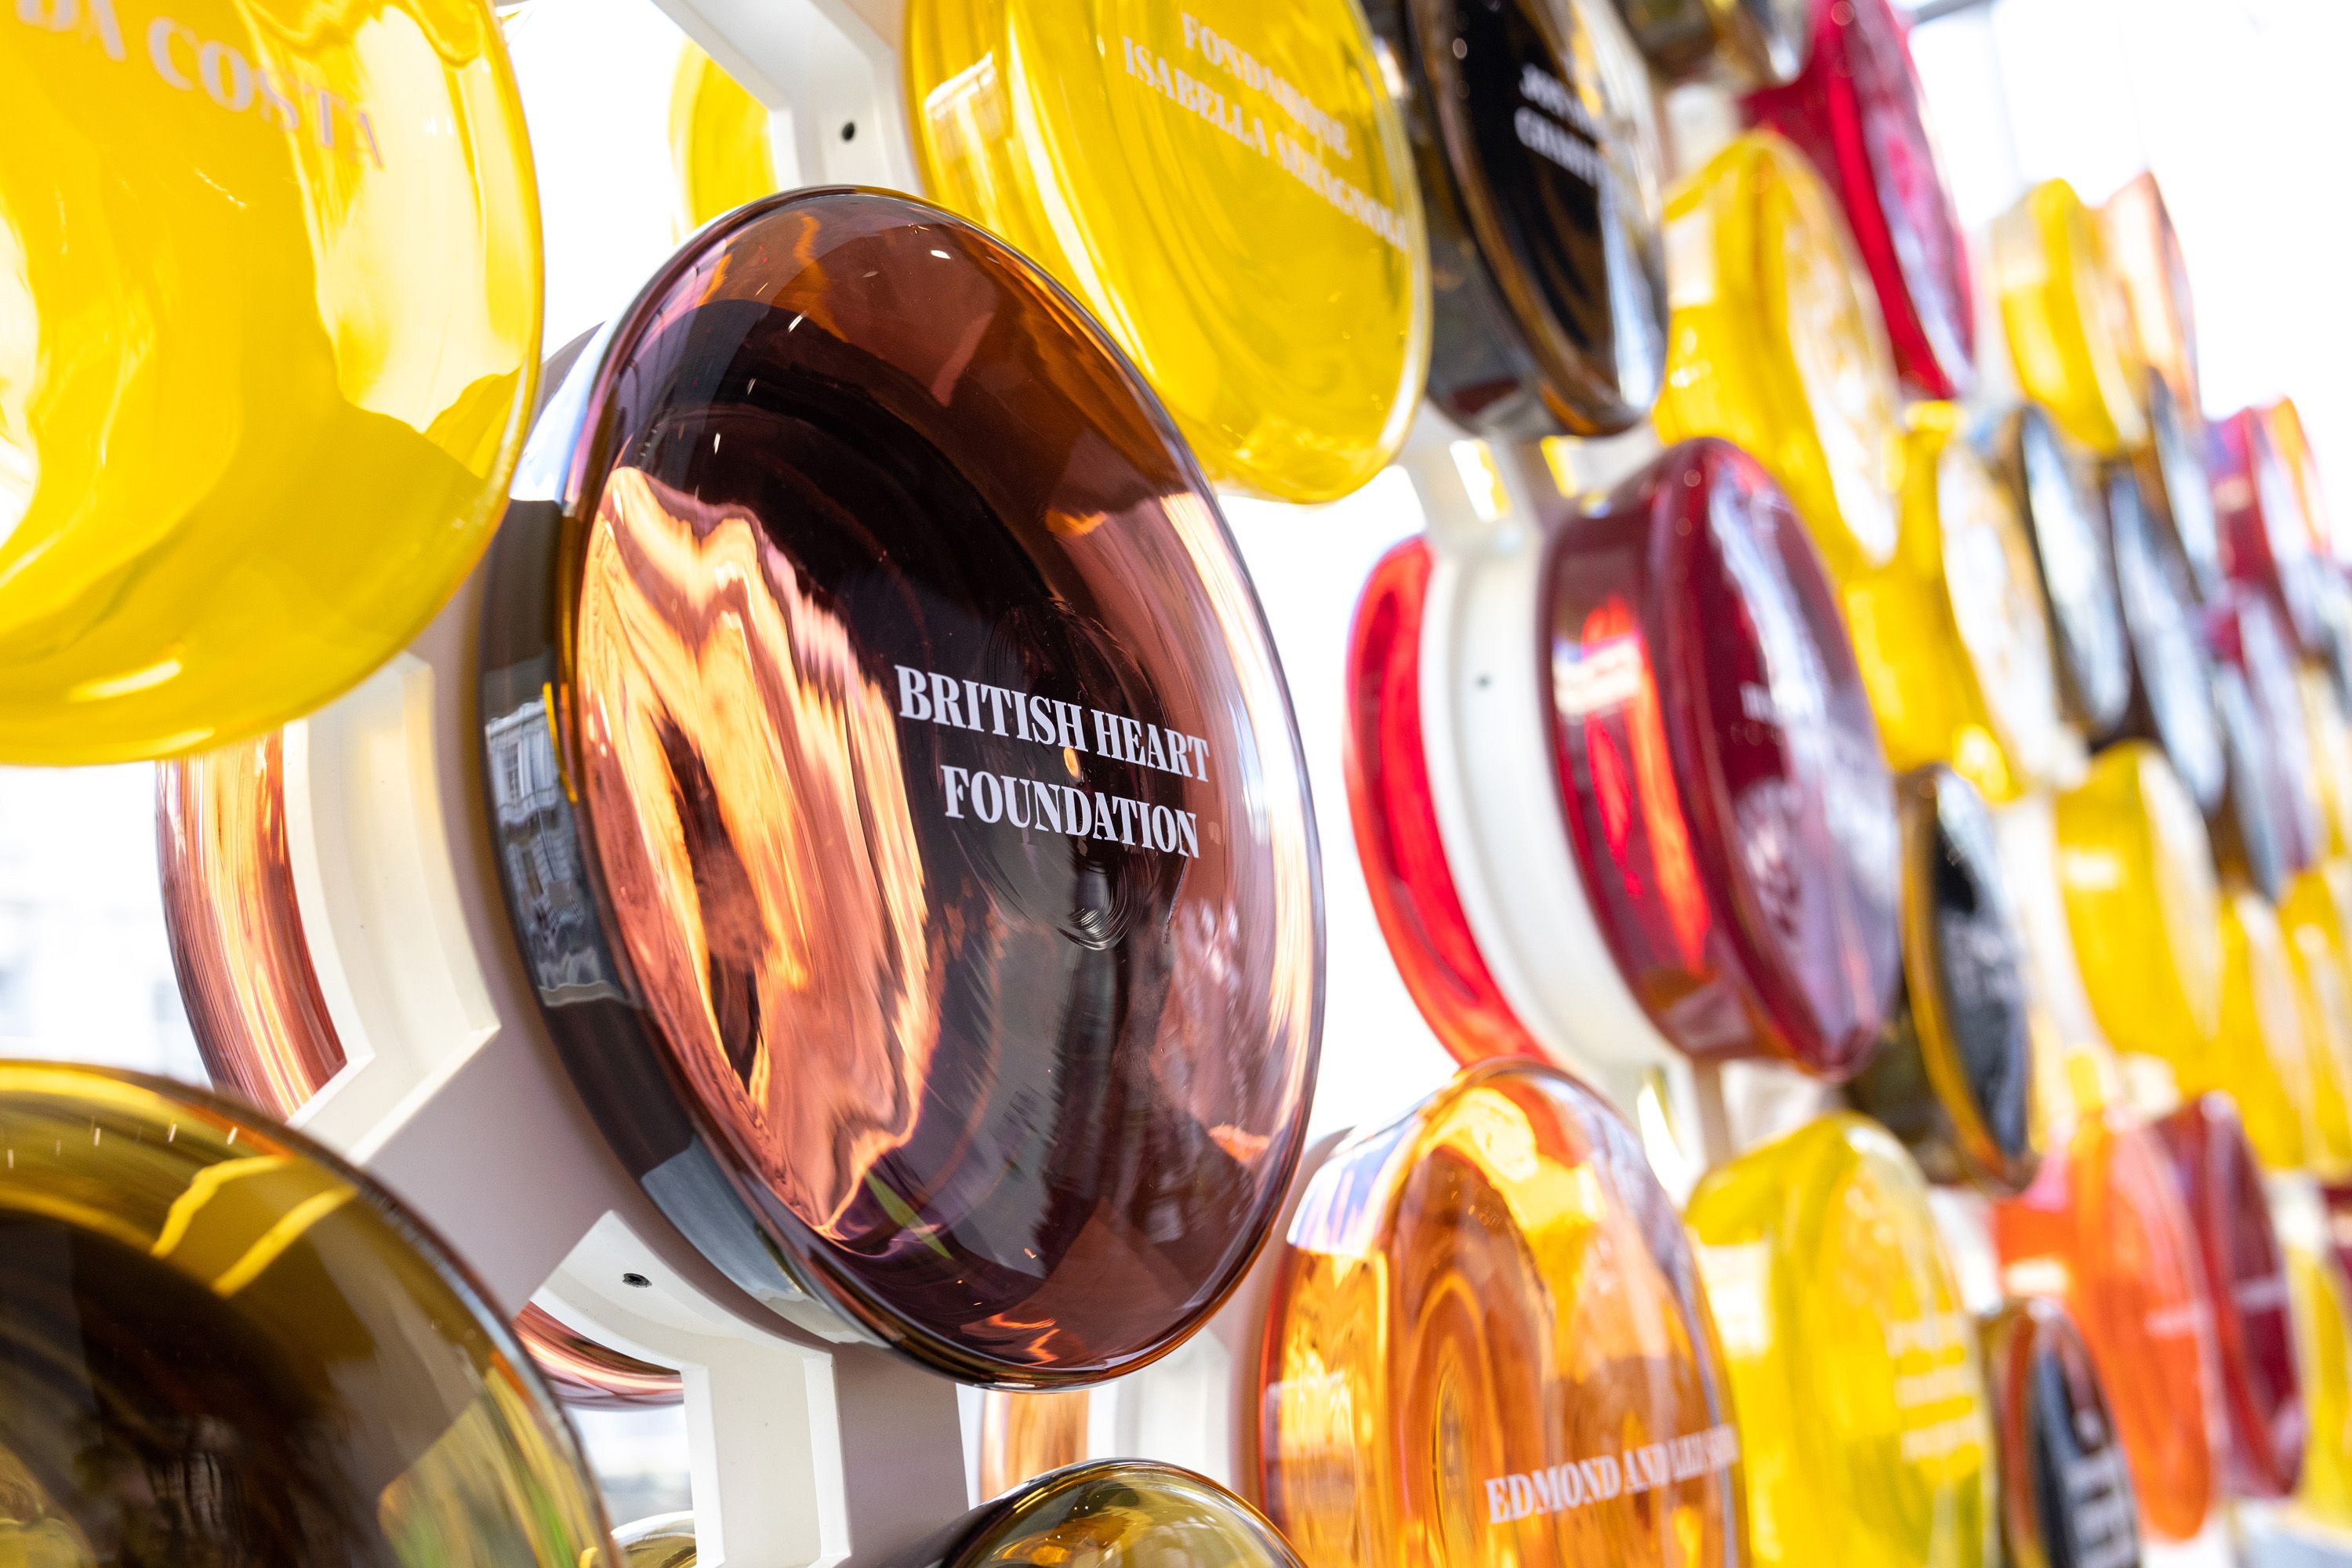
x,y
2280,785
1775,345
1863,1413
2065,1489
2176,485
2249,834
2315,917
665,1540
1954,1079
1228,189
2323,1322
1113,1514
265,266
2172,681
1537,138
2141,903
1756,43
1953,635
2059,500
2221,1185
2288,438
2145,251
896,796
718,140
1487,1344
2263,1059
2103,1230
1726,798
1859,112
2068,320
2330,739
2265,538
224,1345
1023,1435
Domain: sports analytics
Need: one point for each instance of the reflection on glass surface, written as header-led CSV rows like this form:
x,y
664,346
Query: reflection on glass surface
x,y
2068,320
2244,1275
1859,113
2172,683
1726,798
1228,187
266,264
2103,1231
665,1540
2064,513
1023,1435
1537,138
1854,1366
1487,1344
1755,43
897,799
1775,344
2065,1489
1954,1079
221,1344
1114,1513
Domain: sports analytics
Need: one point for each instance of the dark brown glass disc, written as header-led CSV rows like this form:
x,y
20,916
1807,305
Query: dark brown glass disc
x,y
897,798
2172,682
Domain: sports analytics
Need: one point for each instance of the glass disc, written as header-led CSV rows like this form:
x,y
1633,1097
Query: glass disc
x,y
2221,1185
1954,1079
2263,1058
2244,636
2266,539
2176,486
665,1540
1775,345
2315,917
273,299
2068,320
1854,1367
1112,1513
2247,828
1537,144
1953,635
2065,1489
1726,798
2103,1230
2172,682
2141,903
1858,111
2145,251
1227,187
2330,740
1487,1344
897,799
718,140
2058,498
1756,43
2323,1320
2293,445
1023,1435
222,1344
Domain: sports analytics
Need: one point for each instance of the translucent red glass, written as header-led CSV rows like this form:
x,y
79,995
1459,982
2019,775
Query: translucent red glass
x,y
2221,1185
1856,112
2266,539
896,796
1727,798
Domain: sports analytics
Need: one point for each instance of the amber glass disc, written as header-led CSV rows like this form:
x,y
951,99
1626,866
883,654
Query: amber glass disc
x,y
1487,1344
1954,1080
2065,1488
2145,251
1727,798
1756,43
2103,1230
897,798
1225,183
1537,138
2221,1185
2068,320
2058,496
1854,1368
221,1344
1858,113
2265,538
269,276
1023,1435
1112,1513
2172,679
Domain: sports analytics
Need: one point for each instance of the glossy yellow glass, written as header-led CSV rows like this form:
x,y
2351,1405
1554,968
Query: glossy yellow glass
x,y
2263,1057
718,140
2068,320
269,296
1487,1344
2316,918
2323,1335
1854,1364
1953,634
2294,444
2142,903
219,1344
665,1540
1775,344
1226,185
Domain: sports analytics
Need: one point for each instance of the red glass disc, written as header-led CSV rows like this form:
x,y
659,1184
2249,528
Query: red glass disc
x,y
1726,796
1855,111
897,799
2265,542
2214,1169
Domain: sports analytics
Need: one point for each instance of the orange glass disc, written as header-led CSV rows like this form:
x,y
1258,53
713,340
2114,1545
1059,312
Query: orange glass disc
x,y
2104,1231
1487,1344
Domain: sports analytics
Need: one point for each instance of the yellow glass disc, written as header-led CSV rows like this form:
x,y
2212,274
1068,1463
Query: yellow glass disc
x,y
2294,444
1953,634
2262,1059
2142,903
2315,917
1775,344
2323,1335
1854,1364
1226,185
2331,756
718,140
269,296
2068,320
